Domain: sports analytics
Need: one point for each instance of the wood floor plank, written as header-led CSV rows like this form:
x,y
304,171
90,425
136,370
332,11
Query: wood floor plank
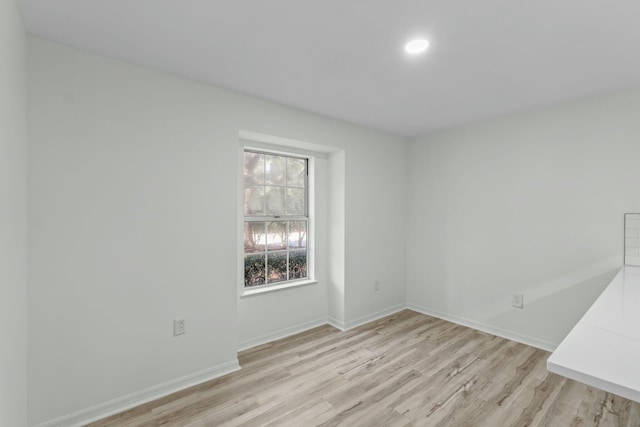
x,y
406,369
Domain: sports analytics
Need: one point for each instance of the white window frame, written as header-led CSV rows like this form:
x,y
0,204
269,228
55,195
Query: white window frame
x,y
309,218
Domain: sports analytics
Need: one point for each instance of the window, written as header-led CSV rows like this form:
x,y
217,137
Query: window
x,y
276,218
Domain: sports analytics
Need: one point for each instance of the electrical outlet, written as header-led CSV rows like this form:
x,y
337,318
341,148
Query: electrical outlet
x,y
376,285
517,300
178,327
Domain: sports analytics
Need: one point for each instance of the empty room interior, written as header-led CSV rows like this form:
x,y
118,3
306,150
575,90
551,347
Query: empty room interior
x,y
304,213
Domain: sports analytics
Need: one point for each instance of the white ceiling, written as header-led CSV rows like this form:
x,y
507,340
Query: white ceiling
x,y
345,59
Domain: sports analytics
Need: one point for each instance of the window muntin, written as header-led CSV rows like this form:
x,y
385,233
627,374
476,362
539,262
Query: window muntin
x,y
276,221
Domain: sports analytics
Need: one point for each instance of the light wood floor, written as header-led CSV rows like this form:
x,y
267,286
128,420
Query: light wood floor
x,y
403,370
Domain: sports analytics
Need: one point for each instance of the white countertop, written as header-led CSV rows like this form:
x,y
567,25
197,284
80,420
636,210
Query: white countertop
x,y
603,349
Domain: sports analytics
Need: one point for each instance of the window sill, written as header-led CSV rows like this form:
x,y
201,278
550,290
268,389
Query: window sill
x,y
266,289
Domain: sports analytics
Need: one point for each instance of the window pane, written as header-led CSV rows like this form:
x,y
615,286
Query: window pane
x,y
277,236
275,251
297,234
275,200
254,271
296,201
254,237
296,172
277,266
254,201
274,170
297,264
253,168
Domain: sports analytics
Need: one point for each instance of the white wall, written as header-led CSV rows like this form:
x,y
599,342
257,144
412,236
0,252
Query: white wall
x,y
529,204
133,219
13,216
336,230
375,232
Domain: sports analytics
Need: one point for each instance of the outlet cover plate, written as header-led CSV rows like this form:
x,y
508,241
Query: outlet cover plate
x,y
178,327
517,300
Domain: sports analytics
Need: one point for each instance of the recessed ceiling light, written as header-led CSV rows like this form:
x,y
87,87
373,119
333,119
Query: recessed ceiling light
x,y
417,46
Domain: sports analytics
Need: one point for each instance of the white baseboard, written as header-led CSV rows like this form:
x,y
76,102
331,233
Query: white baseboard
x,y
338,324
132,400
282,333
286,332
510,335
374,316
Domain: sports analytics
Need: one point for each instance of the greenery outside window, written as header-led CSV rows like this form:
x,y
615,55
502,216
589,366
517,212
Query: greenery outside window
x,y
276,218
